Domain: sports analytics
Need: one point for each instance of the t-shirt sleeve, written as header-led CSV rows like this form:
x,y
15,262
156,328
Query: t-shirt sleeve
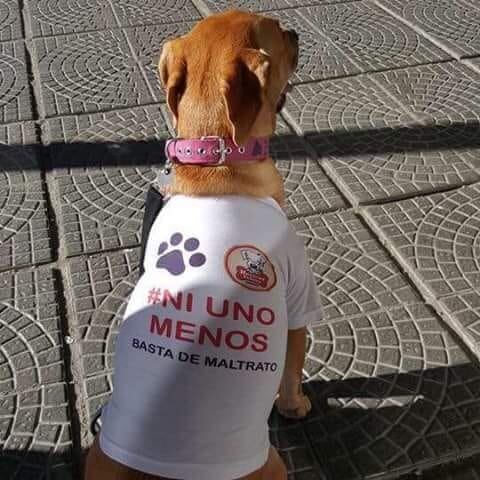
x,y
303,299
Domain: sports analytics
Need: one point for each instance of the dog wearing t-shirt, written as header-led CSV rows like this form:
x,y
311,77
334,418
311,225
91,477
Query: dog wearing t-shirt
x,y
215,329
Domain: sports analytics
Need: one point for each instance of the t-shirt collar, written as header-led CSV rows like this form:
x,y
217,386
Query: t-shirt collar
x,y
270,201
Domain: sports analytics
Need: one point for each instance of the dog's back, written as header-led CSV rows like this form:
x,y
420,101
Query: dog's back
x,y
201,351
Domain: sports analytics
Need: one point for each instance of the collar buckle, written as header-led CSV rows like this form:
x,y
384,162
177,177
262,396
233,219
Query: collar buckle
x,y
222,150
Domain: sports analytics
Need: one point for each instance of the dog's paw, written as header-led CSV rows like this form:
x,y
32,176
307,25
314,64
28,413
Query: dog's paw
x,y
295,407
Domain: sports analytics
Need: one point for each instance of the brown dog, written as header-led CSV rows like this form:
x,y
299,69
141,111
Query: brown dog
x,y
226,78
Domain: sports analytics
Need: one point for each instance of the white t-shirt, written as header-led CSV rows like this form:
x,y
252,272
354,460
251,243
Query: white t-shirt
x,y
201,350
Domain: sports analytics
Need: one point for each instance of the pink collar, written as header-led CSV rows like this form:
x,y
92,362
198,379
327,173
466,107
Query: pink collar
x,y
215,150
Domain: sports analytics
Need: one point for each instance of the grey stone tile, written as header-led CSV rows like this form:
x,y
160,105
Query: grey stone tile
x,y
350,104
353,273
54,17
147,12
35,434
307,188
30,333
435,240
100,287
24,232
453,23
99,200
261,5
15,100
10,21
371,38
76,76
392,392
319,57
147,44
395,163
441,93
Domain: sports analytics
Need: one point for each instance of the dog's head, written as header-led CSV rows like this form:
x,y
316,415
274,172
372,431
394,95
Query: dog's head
x,y
228,76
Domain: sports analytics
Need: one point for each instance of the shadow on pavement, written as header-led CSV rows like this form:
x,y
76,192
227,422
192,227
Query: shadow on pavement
x,y
397,422
359,427
284,147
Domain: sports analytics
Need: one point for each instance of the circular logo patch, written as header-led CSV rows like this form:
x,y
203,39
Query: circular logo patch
x,y
250,267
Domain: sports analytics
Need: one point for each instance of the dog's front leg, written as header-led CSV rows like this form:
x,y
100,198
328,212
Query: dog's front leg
x,y
291,401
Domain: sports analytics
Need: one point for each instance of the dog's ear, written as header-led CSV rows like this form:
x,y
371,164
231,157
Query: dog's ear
x,y
173,74
242,87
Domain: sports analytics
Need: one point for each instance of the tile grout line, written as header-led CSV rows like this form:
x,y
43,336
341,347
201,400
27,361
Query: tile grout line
x,y
368,73
132,51
202,8
94,112
75,366
314,156
69,354
311,3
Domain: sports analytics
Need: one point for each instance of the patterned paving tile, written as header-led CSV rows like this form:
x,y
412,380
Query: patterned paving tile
x,y
371,38
355,103
395,163
435,239
353,273
319,57
147,44
391,389
453,23
76,76
100,199
34,420
307,188
430,94
15,101
147,12
53,17
262,5
30,336
10,20
442,93
392,393
24,235
35,434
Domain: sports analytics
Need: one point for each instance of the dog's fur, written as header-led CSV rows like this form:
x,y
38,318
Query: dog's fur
x,y
226,78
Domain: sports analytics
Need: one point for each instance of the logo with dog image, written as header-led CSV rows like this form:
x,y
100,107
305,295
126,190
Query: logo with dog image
x,y
250,267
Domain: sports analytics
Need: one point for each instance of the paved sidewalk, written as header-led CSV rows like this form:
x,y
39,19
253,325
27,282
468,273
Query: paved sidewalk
x,y
379,145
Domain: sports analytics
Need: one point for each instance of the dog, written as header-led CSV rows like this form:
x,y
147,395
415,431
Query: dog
x,y
214,332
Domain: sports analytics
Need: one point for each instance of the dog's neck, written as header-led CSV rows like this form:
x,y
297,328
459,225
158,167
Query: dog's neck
x,y
257,179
